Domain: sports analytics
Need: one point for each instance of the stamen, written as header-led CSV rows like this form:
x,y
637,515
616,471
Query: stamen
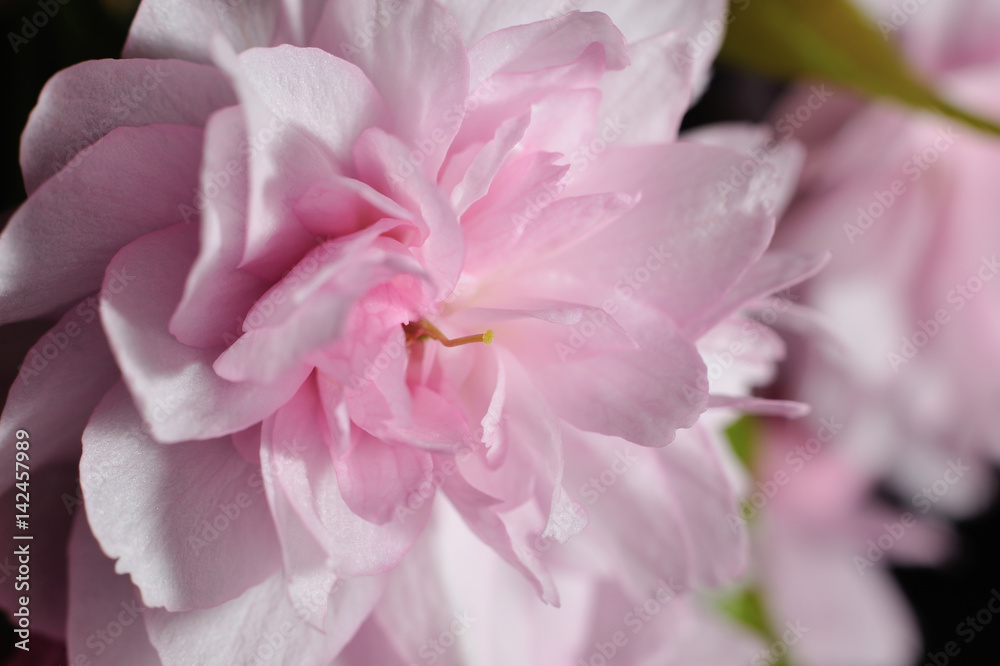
x,y
424,329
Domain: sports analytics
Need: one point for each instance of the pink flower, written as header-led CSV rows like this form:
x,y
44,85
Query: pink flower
x,y
821,548
904,201
371,182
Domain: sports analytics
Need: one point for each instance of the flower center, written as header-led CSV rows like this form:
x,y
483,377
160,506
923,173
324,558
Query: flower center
x,y
423,329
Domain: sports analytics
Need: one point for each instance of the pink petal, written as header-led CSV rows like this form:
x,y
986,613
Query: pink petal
x,y
783,408
299,140
478,174
638,19
63,378
105,94
106,615
131,182
477,510
440,248
184,28
376,476
262,622
776,271
310,309
175,388
655,514
423,98
682,247
774,163
218,293
644,395
187,521
547,44
295,453
645,102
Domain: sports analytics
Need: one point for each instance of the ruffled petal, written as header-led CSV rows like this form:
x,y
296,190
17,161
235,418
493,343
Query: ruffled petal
x,y
105,94
187,521
262,625
106,615
184,29
393,42
178,393
56,246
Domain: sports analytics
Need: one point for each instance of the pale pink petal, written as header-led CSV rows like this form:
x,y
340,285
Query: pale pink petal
x,y
303,130
262,625
105,94
295,453
638,19
407,36
56,246
415,609
376,476
682,247
309,310
646,101
676,501
546,44
189,521
788,409
218,294
184,28
484,162
643,395
840,602
776,271
478,511
63,377
343,206
440,246
107,619
372,644
772,163
175,388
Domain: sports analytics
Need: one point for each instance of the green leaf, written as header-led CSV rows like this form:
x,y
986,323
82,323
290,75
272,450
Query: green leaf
x,y
747,608
743,437
831,40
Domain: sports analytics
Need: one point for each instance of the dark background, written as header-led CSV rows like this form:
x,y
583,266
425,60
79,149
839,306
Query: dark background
x,y
89,29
